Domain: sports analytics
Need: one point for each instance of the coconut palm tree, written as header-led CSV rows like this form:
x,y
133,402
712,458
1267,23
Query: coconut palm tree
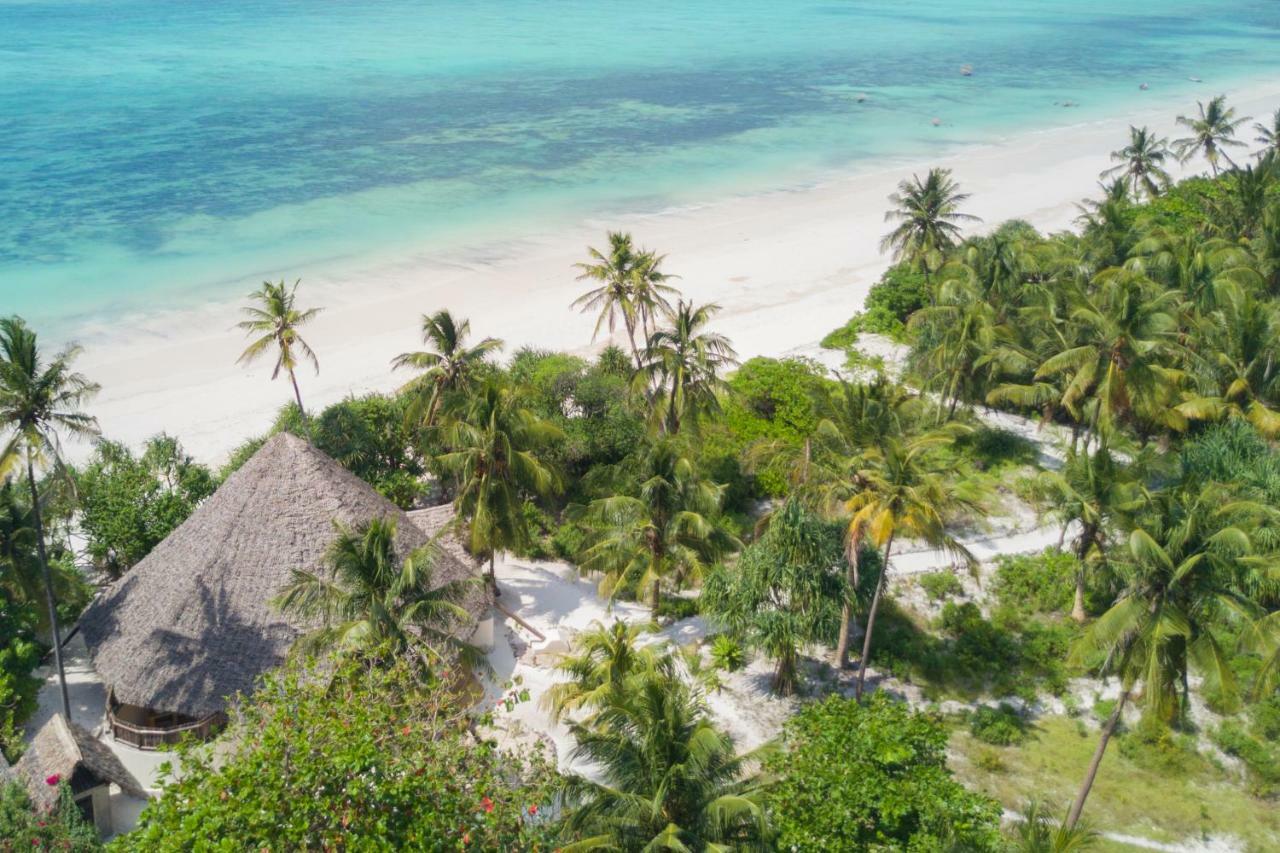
x,y
1179,580
632,288
1037,832
495,452
1141,163
603,669
1211,133
1114,366
659,526
903,488
682,367
369,601
40,400
273,321
929,218
1268,135
1192,265
669,780
447,366
1093,491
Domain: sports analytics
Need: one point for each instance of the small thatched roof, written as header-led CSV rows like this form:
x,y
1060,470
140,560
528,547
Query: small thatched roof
x,y
76,757
192,623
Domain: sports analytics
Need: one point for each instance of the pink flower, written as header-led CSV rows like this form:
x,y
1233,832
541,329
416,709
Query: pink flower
x,y
486,804
52,780
533,810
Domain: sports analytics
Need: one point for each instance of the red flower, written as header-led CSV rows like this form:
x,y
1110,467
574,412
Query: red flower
x,y
486,804
466,838
52,780
533,809
406,730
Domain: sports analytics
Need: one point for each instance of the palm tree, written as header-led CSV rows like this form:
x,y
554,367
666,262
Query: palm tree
x,y
1268,135
669,779
274,321
494,450
1194,266
1114,366
447,366
929,217
1141,163
1037,832
1211,133
904,488
683,364
1179,579
1092,490
632,288
659,525
371,602
38,400
603,668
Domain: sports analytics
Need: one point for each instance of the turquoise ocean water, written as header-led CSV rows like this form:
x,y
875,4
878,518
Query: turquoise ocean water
x,y
160,152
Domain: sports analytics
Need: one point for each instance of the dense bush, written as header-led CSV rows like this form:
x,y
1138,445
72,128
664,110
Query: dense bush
x,y
873,776
1261,756
129,503
24,828
1035,583
19,656
362,760
891,300
1001,726
1152,745
940,586
727,653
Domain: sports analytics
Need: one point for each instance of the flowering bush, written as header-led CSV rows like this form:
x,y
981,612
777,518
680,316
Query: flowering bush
x,y
24,828
369,760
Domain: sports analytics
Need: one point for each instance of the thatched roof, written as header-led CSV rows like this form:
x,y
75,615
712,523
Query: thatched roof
x,y
192,623
76,757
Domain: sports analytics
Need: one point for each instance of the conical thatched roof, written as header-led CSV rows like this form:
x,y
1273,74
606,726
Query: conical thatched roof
x,y
64,749
192,623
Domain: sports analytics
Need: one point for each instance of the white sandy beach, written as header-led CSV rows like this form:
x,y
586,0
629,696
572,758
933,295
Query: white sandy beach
x,y
788,266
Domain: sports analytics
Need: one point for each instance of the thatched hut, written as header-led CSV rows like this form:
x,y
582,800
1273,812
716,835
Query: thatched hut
x,y
192,624
65,752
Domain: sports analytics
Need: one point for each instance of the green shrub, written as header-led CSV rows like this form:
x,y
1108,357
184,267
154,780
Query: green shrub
x,y
727,653
1154,746
890,302
1002,726
62,828
1036,583
873,776
1261,757
990,761
989,447
19,656
940,585
1103,709
677,607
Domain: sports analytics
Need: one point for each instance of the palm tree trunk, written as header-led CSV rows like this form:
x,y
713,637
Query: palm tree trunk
x,y
297,395
1077,605
631,338
493,575
846,611
871,622
48,589
655,596
1107,731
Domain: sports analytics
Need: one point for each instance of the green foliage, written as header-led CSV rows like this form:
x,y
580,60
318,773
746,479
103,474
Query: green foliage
x,y
940,586
1035,583
362,760
370,437
873,776
1261,756
1001,726
1154,746
785,592
129,503
23,828
1183,208
727,653
988,448
19,656
677,607
891,300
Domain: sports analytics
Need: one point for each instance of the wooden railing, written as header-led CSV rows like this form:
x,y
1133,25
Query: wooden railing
x,y
144,737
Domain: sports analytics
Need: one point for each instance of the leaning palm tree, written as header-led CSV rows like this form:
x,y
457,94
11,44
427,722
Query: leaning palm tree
x,y
495,450
446,367
273,322
40,399
669,780
1179,579
929,218
632,289
1141,163
658,527
1268,135
904,488
371,602
1037,832
1211,133
682,367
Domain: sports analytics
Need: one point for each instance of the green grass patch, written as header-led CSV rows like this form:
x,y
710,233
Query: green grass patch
x,y
1131,797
